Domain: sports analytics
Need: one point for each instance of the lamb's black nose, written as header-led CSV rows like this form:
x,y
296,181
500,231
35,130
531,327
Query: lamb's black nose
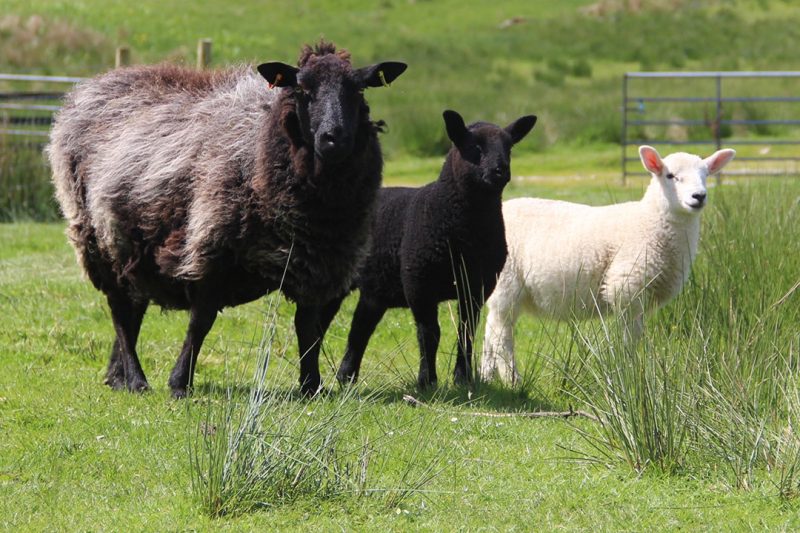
x,y
700,197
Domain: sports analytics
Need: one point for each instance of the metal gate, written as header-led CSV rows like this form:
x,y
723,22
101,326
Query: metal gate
x,y
27,106
27,103
757,113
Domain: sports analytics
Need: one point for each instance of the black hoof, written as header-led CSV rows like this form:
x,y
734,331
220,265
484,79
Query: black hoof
x,y
116,384
311,390
138,386
462,378
346,378
180,393
426,383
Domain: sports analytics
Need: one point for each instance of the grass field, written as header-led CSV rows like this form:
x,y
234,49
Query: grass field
x,y
715,381
694,429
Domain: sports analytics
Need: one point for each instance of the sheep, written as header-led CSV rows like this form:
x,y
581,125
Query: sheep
x,y
439,242
569,260
203,190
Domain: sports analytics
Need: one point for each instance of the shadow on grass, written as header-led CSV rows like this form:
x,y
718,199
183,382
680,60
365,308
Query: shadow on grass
x,y
492,397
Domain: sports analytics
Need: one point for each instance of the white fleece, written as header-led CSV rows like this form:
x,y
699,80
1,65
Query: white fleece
x,y
568,260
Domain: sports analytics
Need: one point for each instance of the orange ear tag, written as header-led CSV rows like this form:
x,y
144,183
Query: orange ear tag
x,y
278,78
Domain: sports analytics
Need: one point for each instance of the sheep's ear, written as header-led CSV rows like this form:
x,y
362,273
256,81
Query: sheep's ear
x,y
456,129
651,160
381,74
279,74
716,161
521,127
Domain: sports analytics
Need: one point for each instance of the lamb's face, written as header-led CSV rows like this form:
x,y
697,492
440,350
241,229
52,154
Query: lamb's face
x,y
486,148
329,97
682,176
684,179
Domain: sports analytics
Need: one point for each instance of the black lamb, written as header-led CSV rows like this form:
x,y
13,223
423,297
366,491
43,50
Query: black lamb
x,y
439,242
201,190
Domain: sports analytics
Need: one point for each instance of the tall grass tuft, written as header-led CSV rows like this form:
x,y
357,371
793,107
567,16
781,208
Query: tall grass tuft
x,y
262,446
713,385
639,395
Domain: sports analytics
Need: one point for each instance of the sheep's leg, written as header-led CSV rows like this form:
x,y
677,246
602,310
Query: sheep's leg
x,y
632,318
469,312
127,321
633,328
115,375
365,319
310,323
498,340
201,318
428,335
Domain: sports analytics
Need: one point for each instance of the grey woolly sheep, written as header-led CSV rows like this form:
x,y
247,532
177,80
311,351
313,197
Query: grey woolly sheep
x,y
201,190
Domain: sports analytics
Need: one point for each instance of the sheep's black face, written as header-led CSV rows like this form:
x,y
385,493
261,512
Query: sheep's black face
x,y
329,96
486,148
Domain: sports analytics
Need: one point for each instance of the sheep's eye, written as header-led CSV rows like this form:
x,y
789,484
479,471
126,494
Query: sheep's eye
x,y
670,176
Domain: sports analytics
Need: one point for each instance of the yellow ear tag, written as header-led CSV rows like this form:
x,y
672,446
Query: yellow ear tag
x,y
383,78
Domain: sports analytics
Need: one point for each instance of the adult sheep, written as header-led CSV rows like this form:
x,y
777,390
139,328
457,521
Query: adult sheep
x,y
201,190
439,242
568,260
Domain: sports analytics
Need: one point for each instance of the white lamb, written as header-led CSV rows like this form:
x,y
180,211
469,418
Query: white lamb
x,y
569,260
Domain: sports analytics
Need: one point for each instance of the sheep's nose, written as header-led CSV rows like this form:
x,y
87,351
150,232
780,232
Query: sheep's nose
x,y
700,197
333,144
328,138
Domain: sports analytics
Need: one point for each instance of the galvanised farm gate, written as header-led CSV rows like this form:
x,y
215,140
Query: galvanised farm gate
x,y
756,113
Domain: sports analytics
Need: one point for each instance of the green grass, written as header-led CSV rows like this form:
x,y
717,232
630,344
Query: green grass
x,y
77,456
697,426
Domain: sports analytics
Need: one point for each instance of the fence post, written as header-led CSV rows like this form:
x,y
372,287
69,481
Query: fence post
x,y
718,133
122,57
624,142
203,53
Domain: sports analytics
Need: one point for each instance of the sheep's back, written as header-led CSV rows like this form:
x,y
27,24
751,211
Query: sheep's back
x,y
379,277
559,251
573,258
148,151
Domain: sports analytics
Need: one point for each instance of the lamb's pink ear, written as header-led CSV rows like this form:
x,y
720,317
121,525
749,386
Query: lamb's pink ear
x,y
651,160
716,161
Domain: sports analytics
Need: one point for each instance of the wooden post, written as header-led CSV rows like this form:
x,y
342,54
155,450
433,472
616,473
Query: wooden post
x,y
122,57
203,53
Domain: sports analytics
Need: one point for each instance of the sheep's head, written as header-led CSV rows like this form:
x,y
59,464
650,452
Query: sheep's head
x,y
485,149
329,97
682,176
